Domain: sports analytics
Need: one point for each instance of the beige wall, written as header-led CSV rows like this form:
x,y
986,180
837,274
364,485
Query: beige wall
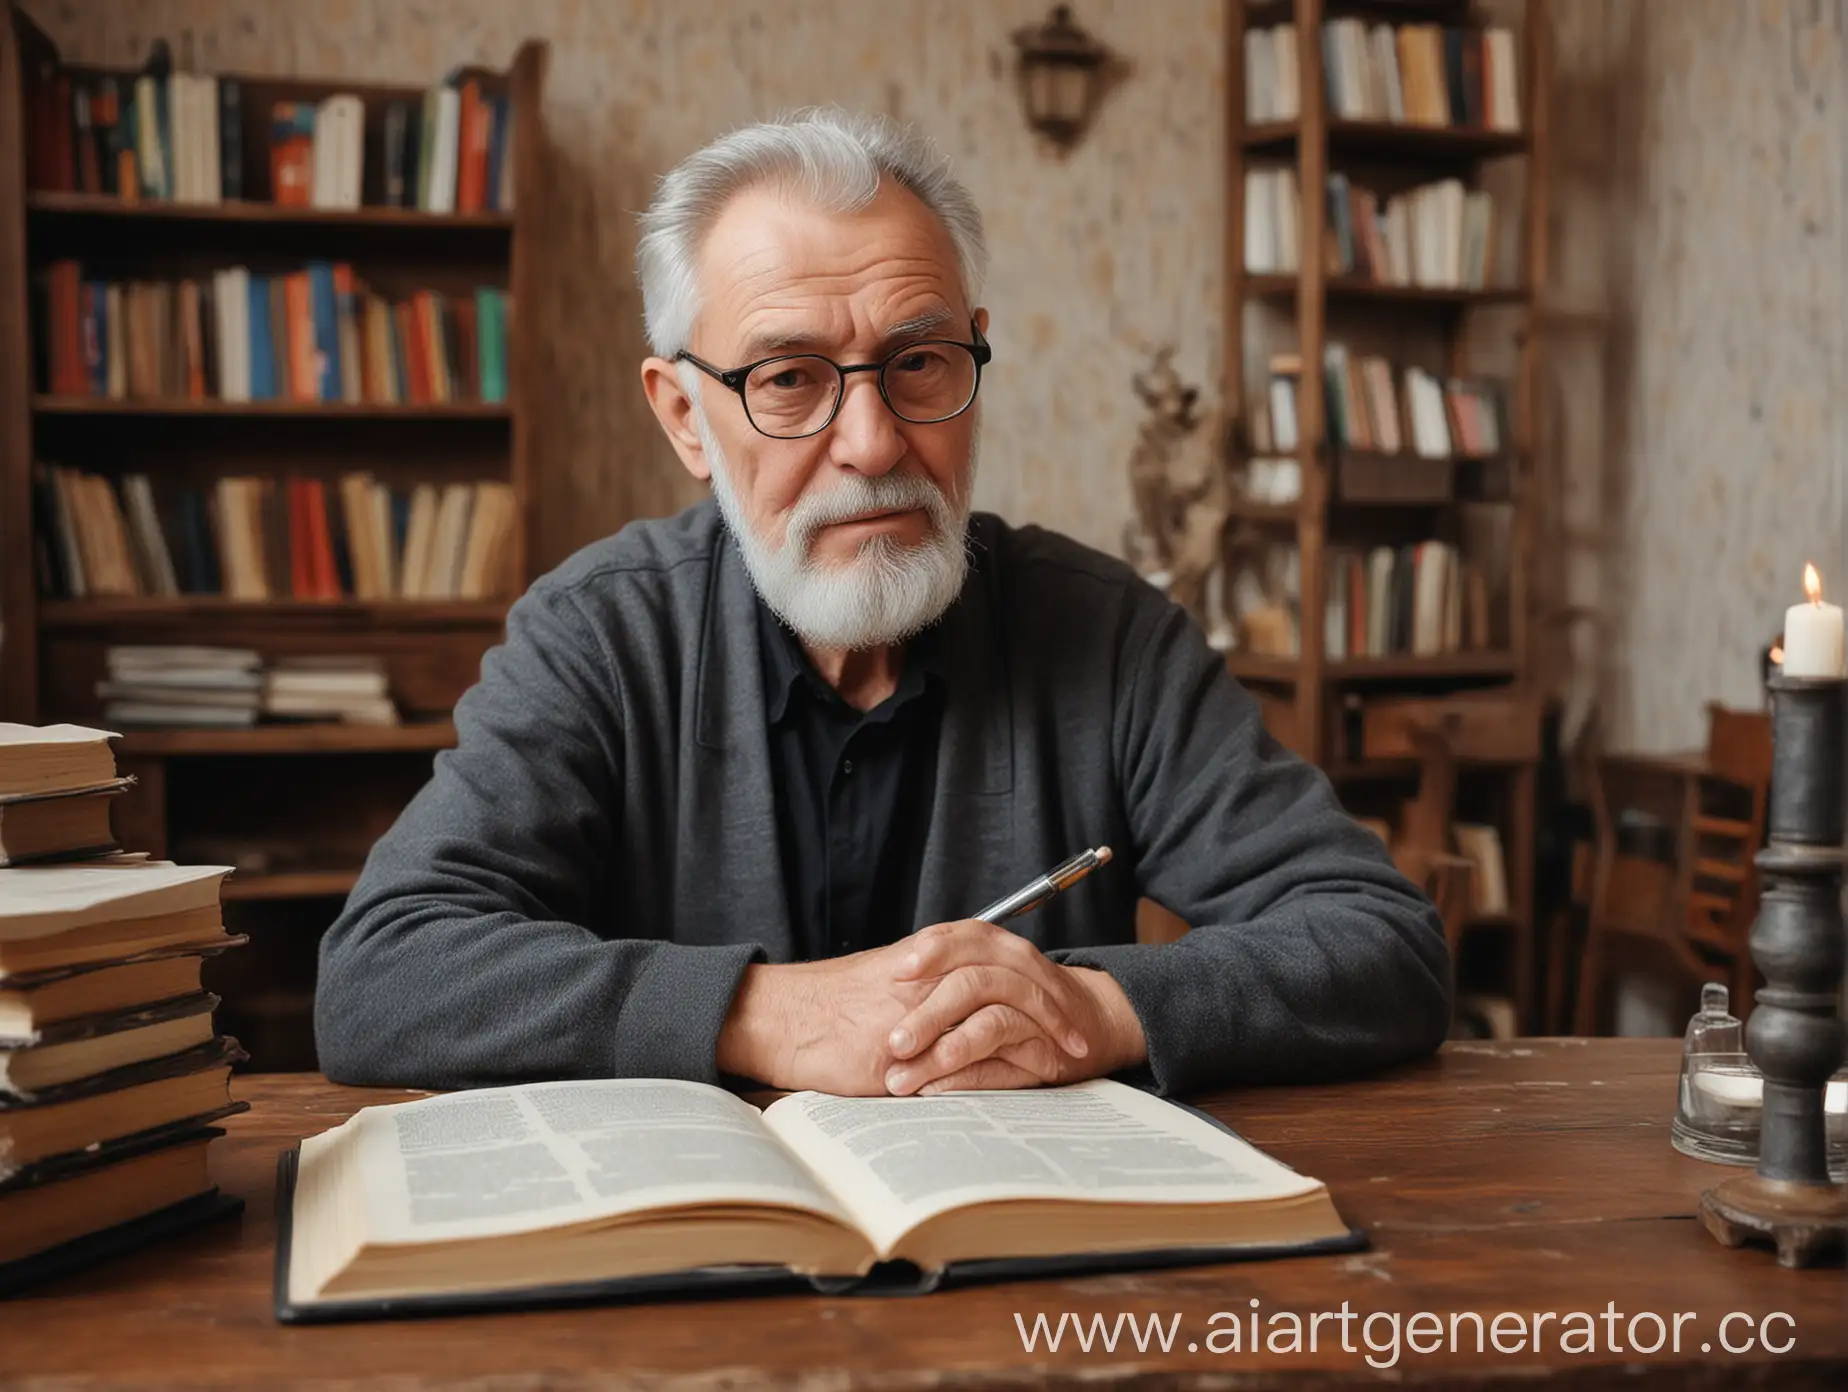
x,y
1699,414
1695,416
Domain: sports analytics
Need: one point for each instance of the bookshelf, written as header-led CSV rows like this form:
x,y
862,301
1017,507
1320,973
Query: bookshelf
x,y
1313,701
305,800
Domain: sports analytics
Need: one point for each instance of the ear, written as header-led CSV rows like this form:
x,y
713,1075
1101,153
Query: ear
x,y
669,401
981,321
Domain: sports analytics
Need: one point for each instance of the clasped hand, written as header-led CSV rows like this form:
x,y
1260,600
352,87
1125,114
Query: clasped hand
x,y
955,1005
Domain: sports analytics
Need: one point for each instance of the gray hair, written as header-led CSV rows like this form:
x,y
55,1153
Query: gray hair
x,y
832,158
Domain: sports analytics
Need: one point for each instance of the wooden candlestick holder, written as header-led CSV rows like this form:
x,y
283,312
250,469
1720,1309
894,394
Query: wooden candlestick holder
x,y
1795,1035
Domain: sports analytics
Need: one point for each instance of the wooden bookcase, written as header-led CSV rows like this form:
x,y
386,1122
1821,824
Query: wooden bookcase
x,y
309,798
1311,700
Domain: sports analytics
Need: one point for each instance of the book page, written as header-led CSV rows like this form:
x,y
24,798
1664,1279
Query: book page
x,y
514,1159
38,901
895,1161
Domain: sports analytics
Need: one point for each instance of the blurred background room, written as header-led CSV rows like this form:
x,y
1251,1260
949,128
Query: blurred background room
x,y
1472,371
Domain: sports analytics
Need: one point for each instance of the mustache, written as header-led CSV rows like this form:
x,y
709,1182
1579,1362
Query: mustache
x,y
858,494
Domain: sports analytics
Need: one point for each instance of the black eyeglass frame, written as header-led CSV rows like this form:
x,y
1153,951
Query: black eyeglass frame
x,y
737,377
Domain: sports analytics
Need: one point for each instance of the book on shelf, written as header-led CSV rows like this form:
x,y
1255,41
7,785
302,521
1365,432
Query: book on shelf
x,y
660,1185
329,687
1436,236
1409,600
1480,844
1433,418
250,538
193,687
1271,81
1273,213
1415,74
319,334
171,135
111,1069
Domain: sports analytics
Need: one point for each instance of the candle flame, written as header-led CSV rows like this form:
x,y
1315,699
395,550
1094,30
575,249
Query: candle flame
x,y
1812,583
1777,656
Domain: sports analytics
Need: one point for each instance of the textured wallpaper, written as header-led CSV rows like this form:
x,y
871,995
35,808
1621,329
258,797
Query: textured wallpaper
x,y
1694,401
1693,416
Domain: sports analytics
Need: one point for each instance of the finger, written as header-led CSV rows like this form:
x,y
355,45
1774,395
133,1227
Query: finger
x,y
983,1034
943,947
967,989
988,1075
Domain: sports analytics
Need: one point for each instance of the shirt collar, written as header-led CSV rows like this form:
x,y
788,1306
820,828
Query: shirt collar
x,y
787,669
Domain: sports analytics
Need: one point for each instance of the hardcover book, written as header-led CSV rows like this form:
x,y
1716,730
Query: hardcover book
x,y
637,1186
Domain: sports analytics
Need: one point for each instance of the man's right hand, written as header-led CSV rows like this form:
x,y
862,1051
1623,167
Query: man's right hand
x,y
827,1025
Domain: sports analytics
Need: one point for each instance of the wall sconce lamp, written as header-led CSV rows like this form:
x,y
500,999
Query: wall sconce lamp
x,y
1063,74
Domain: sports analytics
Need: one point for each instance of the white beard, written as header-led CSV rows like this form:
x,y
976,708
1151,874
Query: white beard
x,y
888,592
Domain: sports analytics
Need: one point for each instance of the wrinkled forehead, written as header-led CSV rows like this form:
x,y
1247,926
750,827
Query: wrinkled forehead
x,y
776,270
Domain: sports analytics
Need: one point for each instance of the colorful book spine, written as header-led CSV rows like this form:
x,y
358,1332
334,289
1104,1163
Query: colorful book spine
x,y
263,382
326,315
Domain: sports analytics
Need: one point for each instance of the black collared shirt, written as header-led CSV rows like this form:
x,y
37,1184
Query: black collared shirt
x,y
853,794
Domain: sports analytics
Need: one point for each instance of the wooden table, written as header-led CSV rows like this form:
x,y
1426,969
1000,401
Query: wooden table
x,y
1522,1177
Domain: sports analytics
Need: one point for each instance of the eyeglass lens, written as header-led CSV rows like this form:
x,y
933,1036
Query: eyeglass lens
x,y
798,395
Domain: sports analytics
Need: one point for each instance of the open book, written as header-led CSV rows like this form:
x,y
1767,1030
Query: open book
x,y
508,1195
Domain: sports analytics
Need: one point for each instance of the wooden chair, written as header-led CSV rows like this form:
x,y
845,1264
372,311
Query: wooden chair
x,y
1728,830
1698,911
1422,849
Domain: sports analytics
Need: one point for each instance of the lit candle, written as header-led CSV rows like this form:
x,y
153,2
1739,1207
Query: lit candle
x,y
1813,633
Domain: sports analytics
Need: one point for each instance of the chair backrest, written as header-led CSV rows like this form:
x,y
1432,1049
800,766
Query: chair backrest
x,y
1739,746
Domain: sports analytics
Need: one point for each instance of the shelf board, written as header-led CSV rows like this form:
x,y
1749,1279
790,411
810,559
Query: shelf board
x,y
1261,13
1341,288
290,884
1248,666
1455,664
104,206
1258,667
428,735
60,614
1262,512
1395,139
292,410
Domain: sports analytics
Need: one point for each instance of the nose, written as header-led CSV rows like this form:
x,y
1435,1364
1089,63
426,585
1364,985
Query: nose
x,y
865,435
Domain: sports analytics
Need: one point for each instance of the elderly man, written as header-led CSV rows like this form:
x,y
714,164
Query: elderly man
x,y
722,802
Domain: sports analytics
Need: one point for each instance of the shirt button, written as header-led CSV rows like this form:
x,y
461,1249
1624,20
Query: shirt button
x,y
846,765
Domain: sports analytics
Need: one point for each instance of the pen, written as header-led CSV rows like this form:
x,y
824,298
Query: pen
x,y
1030,896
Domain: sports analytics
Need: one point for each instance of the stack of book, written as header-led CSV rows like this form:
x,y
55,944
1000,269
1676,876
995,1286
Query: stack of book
x,y
352,690
111,1072
198,687
1437,236
314,335
266,538
1419,600
179,136
1419,74
56,786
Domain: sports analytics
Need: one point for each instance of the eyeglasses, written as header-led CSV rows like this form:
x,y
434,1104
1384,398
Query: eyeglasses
x,y
797,395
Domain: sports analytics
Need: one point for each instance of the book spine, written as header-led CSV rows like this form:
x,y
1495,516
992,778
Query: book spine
x,y
320,542
326,319
230,138
498,110
472,152
397,123
491,329
299,340
302,581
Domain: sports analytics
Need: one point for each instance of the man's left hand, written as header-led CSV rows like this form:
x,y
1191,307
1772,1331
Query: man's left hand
x,y
960,1036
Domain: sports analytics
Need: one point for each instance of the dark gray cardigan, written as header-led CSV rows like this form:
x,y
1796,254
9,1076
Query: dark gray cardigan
x,y
579,887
